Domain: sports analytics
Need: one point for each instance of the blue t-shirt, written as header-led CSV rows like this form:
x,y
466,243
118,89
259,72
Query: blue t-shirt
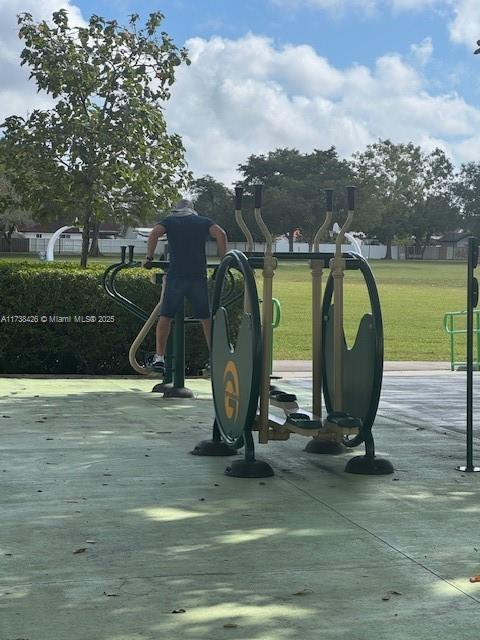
x,y
186,244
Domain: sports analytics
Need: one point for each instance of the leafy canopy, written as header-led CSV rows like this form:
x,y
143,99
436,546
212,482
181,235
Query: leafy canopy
x,y
103,148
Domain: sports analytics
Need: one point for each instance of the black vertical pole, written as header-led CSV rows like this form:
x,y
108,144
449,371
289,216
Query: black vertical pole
x,y
471,242
472,301
179,348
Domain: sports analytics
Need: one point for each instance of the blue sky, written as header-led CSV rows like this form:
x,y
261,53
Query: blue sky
x,y
301,73
344,36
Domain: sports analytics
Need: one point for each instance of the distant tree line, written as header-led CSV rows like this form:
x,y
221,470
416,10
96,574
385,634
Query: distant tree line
x,y
405,194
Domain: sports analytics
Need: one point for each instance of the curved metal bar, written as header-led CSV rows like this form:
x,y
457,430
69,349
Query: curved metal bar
x,y
236,259
107,285
341,234
112,291
348,222
138,311
132,353
321,231
260,222
328,219
245,230
376,309
239,218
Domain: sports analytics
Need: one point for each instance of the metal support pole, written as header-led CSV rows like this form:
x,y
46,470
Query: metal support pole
x,y
269,266
179,348
337,266
472,301
316,267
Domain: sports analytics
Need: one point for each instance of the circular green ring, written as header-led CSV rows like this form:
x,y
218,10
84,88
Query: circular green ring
x,y
237,260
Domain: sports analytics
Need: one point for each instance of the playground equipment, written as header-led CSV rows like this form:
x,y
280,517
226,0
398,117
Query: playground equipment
x,y
472,302
51,243
454,331
173,383
350,378
356,246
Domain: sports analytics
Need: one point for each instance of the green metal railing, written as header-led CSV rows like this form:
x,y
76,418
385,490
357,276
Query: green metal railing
x,y
453,331
276,318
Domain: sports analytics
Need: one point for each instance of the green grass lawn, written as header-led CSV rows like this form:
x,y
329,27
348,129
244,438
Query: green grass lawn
x,y
414,298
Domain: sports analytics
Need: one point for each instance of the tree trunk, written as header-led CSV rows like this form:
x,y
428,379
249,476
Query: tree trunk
x,y
388,255
94,250
425,245
290,240
85,238
8,237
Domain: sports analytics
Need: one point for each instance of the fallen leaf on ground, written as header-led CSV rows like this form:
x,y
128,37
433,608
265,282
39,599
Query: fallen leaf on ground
x,y
475,579
81,550
388,595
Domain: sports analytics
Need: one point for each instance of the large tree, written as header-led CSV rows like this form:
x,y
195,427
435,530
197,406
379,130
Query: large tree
x,y
389,178
435,211
12,215
468,193
294,184
215,200
103,148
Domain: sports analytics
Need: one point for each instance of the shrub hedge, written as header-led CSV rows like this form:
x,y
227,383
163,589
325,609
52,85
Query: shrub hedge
x,y
59,298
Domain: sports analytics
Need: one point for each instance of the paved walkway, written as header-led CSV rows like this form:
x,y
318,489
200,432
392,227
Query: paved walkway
x,y
112,531
301,368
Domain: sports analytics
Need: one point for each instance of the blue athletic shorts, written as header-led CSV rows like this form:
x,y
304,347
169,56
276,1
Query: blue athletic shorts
x,y
194,289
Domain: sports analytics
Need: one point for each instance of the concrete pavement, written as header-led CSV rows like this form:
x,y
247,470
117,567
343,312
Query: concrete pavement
x,y
111,530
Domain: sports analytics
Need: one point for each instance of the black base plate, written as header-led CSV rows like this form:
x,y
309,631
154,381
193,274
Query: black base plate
x,y
368,466
329,447
172,392
249,469
213,448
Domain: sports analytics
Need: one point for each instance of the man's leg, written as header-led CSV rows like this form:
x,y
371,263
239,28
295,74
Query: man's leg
x,y
198,295
163,331
172,298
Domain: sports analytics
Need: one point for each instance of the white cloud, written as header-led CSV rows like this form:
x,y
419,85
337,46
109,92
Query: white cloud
x,y
337,7
465,27
246,96
423,51
462,16
414,5
17,95
368,6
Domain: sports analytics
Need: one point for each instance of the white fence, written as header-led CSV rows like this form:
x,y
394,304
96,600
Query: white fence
x,y
107,246
112,247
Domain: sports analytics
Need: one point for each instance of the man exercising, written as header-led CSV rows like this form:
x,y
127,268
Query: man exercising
x,y
187,233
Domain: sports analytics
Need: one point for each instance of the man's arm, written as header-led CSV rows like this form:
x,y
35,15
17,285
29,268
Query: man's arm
x,y
157,232
220,236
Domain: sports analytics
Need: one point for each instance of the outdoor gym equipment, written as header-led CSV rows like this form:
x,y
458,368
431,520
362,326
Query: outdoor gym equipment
x,y
453,330
472,302
173,383
350,378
